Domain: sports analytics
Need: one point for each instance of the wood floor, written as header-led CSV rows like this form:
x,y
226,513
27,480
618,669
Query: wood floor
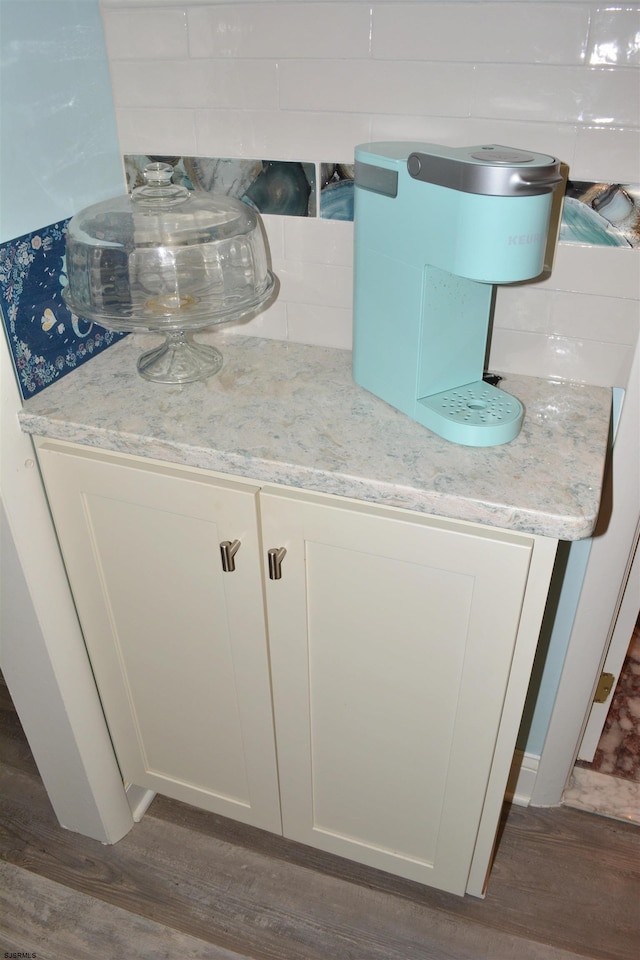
x,y
185,883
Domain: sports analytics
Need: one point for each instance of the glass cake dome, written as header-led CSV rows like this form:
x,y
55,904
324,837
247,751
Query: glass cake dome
x,y
167,260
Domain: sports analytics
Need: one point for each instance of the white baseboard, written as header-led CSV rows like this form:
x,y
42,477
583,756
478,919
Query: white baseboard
x,y
524,771
139,799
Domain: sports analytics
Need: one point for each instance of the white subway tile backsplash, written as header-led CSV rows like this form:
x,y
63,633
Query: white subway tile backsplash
x,y
143,33
537,355
271,324
274,228
156,130
481,32
614,38
601,271
307,81
607,154
610,96
564,94
318,241
557,313
556,139
374,86
279,30
231,133
323,326
326,285
227,84
604,319
429,129
283,135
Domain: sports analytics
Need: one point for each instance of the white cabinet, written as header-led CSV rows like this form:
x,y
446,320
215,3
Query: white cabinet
x,y
391,640
178,646
398,655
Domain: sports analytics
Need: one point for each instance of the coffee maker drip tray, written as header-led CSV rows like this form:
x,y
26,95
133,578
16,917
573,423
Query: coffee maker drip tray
x,y
475,414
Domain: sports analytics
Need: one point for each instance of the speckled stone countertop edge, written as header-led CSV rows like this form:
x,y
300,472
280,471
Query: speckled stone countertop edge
x,y
290,414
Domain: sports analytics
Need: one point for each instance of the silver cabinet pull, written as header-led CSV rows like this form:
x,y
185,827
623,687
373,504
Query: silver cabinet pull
x,y
228,550
275,556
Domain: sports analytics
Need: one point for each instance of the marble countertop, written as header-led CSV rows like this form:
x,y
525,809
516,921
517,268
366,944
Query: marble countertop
x,y
291,414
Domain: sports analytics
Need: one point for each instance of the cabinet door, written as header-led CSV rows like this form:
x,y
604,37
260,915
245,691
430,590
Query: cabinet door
x,y
178,646
391,640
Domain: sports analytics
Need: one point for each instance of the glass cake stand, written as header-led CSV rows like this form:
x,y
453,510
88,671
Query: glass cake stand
x,y
168,261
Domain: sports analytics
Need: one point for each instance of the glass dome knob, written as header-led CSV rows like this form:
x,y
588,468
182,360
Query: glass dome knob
x,y
158,189
157,173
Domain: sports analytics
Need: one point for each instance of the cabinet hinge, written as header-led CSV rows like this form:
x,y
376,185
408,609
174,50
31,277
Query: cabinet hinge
x,y
604,688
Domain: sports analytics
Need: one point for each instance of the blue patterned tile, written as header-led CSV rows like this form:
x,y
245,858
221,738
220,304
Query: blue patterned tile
x,y
336,191
46,340
602,214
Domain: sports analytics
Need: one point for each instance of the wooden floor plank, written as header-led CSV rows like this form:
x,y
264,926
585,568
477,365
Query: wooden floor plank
x,y
561,876
52,922
577,873
250,902
565,885
271,912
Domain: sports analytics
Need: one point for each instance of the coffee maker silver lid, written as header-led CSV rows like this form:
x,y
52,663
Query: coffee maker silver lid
x,y
491,170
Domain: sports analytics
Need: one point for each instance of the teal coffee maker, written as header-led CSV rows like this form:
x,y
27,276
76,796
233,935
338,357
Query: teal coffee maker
x,y
435,229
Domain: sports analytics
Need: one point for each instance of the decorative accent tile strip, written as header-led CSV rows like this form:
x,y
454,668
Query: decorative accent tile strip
x,y
601,214
271,186
605,214
46,340
336,191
